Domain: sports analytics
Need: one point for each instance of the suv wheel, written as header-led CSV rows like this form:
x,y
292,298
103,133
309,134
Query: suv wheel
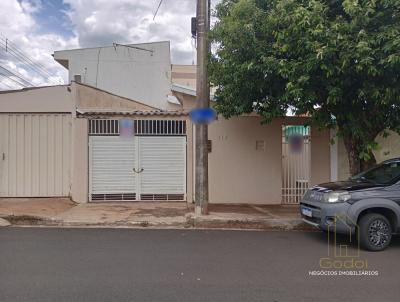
x,y
375,232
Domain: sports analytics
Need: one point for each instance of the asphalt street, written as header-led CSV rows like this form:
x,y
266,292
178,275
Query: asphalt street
x,y
51,264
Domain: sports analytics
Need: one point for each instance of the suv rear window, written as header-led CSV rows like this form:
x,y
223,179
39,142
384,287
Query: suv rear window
x,y
382,174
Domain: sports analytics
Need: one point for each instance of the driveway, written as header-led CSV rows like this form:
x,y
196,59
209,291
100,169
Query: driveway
x,y
40,264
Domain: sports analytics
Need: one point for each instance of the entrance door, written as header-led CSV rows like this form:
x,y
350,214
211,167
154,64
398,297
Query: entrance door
x,y
296,164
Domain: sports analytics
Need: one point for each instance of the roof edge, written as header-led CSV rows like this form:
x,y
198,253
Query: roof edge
x,y
32,88
111,112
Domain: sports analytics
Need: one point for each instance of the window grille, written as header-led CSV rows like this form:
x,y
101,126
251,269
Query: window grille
x,y
160,127
103,127
141,127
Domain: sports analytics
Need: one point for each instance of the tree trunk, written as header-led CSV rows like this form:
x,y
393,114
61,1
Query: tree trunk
x,y
353,148
365,165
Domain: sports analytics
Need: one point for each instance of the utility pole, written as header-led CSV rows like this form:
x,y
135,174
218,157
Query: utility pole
x,y
202,101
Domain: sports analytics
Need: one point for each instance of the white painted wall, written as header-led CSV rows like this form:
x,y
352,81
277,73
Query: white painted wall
x,y
129,72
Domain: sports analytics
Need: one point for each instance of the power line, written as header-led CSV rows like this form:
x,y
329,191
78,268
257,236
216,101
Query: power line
x,y
17,75
5,84
11,45
24,61
14,51
12,79
158,7
27,65
40,65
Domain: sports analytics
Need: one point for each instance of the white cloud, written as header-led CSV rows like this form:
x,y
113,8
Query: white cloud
x,y
102,22
19,26
31,6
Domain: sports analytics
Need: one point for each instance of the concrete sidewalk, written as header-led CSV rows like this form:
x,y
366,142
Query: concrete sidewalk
x,y
31,209
63,212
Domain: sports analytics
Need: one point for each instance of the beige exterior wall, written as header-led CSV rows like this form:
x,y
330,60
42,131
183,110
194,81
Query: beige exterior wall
x,y
42,99
389,147
238,173
80,163
184,75
320,156
87,97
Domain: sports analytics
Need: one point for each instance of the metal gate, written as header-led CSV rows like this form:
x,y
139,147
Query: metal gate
x,y
35,155
151,165
296,162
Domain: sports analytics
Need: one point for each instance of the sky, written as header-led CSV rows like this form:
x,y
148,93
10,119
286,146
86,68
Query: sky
x,y
37,28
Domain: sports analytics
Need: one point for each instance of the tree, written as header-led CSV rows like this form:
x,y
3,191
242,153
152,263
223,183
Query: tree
x,y
336,60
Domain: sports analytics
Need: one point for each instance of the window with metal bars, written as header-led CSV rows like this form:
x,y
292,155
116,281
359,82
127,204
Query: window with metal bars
x,y
141,127
103,127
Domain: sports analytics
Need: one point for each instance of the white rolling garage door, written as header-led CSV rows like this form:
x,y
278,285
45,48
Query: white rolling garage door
x,y
139,168
163,160
35,155
112,161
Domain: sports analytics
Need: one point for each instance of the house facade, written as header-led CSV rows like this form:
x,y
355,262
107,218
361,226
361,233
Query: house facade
x,y
120,131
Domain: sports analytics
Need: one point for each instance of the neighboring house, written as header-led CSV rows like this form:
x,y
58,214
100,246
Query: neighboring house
x,y
184,75
65,140
138,72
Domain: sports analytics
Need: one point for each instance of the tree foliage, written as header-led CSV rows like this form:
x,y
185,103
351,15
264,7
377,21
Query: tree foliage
x,y
337,60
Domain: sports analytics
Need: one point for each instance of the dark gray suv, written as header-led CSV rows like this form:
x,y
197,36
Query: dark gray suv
x,y
368,203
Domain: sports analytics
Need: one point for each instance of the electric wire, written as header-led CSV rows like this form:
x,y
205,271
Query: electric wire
x,y
12,79
13,50
17,75
9,50
158,7
27,64
11,45
4,84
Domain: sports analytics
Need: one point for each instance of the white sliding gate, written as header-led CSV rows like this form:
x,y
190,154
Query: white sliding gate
x,y
296,162
143,167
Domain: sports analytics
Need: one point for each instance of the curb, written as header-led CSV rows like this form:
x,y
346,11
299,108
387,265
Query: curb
x,y
191,222
252,224
4,222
